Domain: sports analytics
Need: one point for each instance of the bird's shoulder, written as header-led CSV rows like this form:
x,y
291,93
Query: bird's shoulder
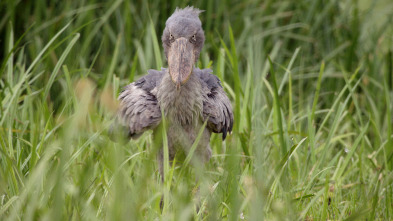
x,y
208,79
151,80
144,85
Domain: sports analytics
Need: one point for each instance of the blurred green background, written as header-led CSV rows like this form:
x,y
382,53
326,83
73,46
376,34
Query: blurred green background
x,y
312,138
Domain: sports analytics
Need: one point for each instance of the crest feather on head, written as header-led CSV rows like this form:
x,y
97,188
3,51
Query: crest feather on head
x,y
188,11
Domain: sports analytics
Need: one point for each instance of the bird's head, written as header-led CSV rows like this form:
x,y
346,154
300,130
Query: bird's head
x,y
183,40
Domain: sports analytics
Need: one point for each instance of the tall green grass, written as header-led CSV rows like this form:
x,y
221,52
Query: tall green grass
x,y
312,88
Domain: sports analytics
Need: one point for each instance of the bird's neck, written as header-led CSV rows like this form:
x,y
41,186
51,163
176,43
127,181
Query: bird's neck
x,y
182,105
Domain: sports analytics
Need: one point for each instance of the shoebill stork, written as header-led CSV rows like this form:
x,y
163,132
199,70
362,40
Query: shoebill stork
x,y
186,95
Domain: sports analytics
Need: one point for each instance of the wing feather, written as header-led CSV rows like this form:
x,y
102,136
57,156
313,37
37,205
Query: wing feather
x,y
217,107
139,110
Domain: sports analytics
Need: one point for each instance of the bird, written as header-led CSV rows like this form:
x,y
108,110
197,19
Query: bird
x,y
187,96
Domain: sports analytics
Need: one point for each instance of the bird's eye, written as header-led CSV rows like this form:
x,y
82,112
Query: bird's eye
x,y
193,39
171,38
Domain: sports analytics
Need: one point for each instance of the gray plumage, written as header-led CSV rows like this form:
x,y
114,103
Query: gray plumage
x,y
188,96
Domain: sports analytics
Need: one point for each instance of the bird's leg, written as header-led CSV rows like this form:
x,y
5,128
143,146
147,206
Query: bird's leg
x,y
160,160
203,157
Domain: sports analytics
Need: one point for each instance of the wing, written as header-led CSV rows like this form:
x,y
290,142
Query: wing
x,y
216,105
139,110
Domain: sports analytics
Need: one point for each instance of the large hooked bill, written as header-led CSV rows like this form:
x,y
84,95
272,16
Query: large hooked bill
x,y
181,61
